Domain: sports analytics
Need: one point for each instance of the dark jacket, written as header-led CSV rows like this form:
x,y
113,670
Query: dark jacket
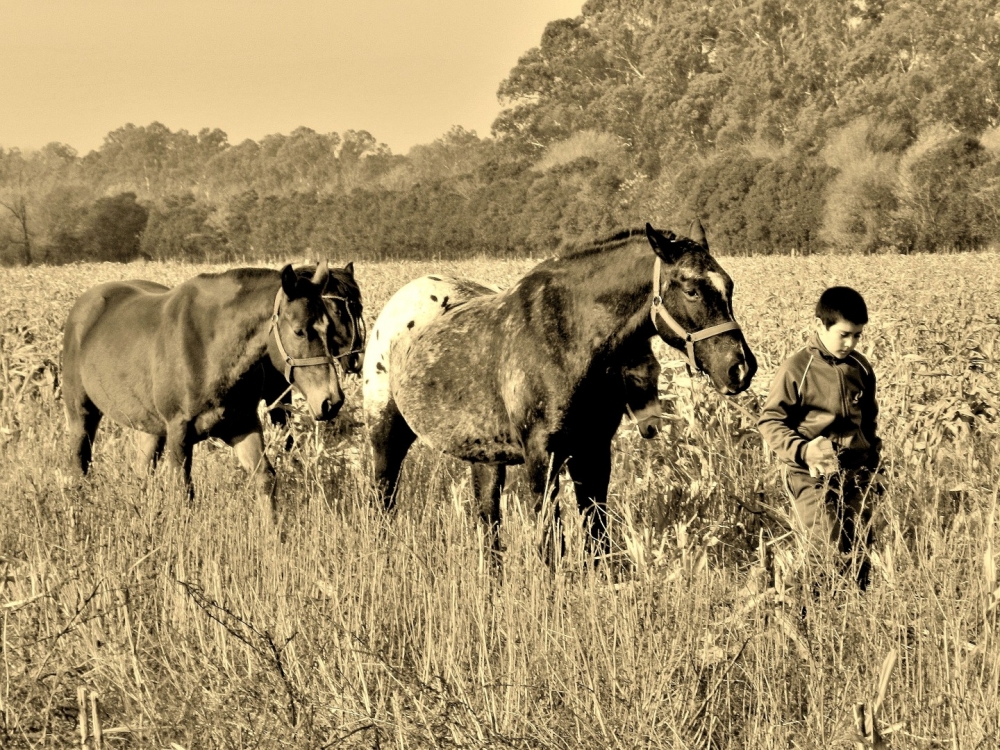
x,y
814,394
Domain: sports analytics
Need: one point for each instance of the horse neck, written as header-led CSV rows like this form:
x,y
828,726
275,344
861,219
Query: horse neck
x,y
613,290
255,305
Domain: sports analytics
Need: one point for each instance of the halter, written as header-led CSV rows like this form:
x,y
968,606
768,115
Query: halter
x,y
657,309
292,362
358,329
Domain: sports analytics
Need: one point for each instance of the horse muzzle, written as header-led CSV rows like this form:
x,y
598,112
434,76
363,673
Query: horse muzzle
x,y
650,427
729,364
329,409
354,362
739,375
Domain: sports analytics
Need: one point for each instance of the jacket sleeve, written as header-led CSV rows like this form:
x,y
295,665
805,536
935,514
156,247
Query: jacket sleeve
x,y
869,422
780,417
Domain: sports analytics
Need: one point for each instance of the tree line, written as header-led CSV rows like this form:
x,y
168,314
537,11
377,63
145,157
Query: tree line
x,y
801,126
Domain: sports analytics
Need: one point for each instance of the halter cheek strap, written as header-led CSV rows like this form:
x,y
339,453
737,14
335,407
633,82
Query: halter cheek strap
x,y
292,362
657,310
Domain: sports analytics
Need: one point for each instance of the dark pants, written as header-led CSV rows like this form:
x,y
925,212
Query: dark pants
x,y
834,513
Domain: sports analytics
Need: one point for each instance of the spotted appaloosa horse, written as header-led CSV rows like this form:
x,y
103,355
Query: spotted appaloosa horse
x,y
346,338
184,364
635,387
533,374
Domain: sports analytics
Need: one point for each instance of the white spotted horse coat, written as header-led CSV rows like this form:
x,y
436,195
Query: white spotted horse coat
x,y
420,301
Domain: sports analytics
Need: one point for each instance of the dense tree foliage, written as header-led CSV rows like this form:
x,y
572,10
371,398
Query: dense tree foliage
x,y
805,126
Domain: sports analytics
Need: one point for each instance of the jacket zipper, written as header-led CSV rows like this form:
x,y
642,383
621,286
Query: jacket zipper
x,y
843,393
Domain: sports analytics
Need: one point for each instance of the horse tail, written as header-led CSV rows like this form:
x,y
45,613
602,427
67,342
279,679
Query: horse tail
x,y
82,318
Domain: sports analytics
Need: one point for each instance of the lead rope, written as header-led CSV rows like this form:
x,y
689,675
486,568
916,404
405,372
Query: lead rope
x,y
275,402
281,350
631,414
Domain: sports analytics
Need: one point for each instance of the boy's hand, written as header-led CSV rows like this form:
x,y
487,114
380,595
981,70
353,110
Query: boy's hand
x,y
821,458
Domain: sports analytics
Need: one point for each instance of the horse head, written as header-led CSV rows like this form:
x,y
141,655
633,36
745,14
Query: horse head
x,y
642,394
347,333
692,309
298,344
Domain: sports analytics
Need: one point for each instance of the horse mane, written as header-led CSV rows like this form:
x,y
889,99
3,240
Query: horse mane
x,y
239,274
576,249
346,284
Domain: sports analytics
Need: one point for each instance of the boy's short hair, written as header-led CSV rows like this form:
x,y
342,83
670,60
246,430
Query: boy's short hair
x,y
841,303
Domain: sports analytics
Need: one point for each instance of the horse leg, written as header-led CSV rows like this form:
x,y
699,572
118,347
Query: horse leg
x,y
150,449
245,435
250,453
543,475
487,484
82,420
391,438
591,472
178,447
278,416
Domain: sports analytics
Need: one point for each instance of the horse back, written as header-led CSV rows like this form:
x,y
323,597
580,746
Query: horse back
x,y
145,353
412,307
96,306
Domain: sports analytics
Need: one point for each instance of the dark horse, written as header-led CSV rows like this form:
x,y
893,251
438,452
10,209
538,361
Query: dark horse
x,y
429,297
184,364
532,375
345,338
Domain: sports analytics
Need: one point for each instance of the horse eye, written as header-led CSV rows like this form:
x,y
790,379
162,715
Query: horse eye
x,y
691,293
300,332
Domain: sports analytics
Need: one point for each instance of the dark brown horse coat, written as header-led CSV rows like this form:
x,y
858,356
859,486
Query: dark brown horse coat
x,y
184,364
523,375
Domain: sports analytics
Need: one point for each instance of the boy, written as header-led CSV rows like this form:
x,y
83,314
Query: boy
x,y
820,420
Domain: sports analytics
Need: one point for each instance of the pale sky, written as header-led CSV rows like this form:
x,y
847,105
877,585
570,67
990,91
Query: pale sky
x,y
406,71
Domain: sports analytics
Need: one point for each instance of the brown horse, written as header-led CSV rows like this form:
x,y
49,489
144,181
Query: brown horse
x,y
532,374
184,364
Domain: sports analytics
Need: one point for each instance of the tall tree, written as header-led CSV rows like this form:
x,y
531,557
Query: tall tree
x,y
17,205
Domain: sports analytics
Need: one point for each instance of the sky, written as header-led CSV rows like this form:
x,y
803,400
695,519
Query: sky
x,y
404,70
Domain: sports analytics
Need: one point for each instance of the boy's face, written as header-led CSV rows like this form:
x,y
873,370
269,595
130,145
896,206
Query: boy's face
x,y
841,338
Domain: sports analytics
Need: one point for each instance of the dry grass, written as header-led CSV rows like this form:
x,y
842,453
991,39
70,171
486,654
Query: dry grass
x,y
204,626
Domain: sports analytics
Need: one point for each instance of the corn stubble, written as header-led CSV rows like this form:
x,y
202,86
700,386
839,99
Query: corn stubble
x,y
132,618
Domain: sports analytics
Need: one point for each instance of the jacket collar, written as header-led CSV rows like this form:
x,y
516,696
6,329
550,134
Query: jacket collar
x,y
816,345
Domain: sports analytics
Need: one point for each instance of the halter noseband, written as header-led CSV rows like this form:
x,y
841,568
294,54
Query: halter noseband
x,y
657,309
292,362
357,328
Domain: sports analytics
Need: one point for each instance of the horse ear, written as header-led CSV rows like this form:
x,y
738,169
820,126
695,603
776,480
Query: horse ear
x,y
322,272
349,269
661,243
289,281
698,234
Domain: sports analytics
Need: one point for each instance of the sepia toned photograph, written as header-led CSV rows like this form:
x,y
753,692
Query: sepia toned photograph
x,y
535,374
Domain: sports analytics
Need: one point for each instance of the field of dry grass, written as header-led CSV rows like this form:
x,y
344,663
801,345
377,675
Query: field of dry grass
x,y
203,626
